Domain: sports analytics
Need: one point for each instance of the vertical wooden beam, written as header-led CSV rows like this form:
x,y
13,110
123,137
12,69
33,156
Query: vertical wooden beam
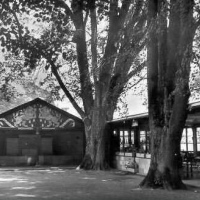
x,y
186,138
37,122
194,129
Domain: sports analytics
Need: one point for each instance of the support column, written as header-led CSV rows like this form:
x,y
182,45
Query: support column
x,y
194,129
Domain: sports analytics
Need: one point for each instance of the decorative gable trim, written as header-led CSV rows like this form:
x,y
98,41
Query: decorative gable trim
x,y
4,123
69,122
38,114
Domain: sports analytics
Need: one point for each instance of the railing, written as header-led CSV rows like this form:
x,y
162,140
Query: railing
x,y
192,163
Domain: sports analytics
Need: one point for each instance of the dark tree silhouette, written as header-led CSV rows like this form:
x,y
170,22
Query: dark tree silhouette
x,y
171,31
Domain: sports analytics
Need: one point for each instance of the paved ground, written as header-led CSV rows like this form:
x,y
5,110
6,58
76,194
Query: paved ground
x,y
67,183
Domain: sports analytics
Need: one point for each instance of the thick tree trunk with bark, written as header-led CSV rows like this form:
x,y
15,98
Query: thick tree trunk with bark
x,y
104,70
96,152
165,167
109,82
169,55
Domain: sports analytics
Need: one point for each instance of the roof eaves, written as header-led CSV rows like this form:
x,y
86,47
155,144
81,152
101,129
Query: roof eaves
x,y
136,116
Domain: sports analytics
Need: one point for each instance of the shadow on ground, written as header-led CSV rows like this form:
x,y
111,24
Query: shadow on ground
x,y
67,183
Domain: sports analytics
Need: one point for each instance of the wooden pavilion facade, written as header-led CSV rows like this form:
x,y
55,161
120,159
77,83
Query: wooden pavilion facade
x,y
40,133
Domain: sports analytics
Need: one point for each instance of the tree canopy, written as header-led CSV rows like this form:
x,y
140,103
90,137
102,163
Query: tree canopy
x,y
91,47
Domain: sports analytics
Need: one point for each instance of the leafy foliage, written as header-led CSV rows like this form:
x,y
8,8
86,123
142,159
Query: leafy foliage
x,y
17,83
57,43
92,49
195,69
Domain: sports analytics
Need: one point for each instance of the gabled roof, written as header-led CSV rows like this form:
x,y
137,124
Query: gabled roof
x,y
35,101
38,114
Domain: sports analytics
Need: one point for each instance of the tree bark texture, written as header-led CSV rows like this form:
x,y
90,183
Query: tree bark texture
x,y
103,79
96,152
109,83
104,63
169,54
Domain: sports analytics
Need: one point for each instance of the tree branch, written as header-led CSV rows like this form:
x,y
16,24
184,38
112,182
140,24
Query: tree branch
x,y
116,24
128,53
18,25
93,17
67,93
124,10
197,24
86,17
174,32
62,4
134,15
81,49
136,70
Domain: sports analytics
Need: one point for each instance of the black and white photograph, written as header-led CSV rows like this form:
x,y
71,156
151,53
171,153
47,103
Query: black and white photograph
x,y
100,99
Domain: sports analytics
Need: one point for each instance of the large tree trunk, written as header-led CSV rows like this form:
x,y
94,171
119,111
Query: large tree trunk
x,y
97,135
165,167
96,152
101,90
168,60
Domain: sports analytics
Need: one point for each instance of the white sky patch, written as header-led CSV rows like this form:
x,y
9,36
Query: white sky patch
x,y
35,27
18,87
40,72
2,58
66,105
